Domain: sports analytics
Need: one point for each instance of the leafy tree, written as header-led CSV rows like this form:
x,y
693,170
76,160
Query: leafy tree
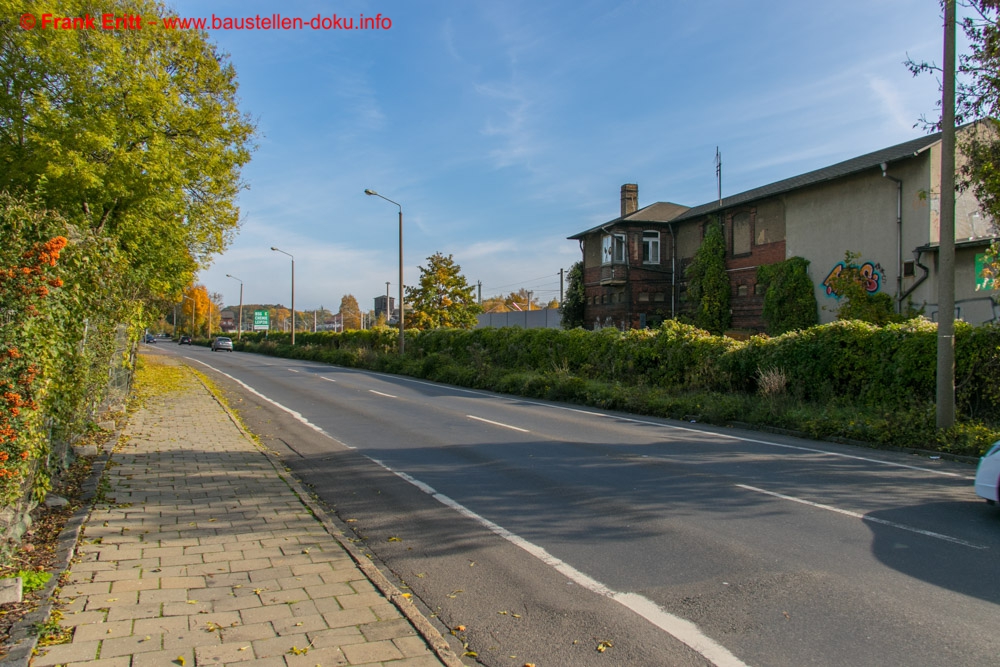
x,y
572,307
495,304
197,303
553,304
350,312
134,134
790,296
708,282
443,298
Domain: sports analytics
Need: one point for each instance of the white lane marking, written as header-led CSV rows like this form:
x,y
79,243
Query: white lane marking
x,y
489,421
381,394
327,379
864,517
681,629
273,402
674,427
292,370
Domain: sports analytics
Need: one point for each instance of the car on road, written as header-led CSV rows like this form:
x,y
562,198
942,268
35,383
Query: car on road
x,y
185,340
150,339
222,343
988,475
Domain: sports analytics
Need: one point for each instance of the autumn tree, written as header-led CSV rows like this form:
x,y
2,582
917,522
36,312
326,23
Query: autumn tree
x,y
572,307
198,310
443,298
350,312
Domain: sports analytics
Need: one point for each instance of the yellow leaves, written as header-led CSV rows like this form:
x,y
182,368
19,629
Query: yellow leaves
x,y
192,601
604,646
395,539
295,650
180,660
454,593
459,628
470,654
407,595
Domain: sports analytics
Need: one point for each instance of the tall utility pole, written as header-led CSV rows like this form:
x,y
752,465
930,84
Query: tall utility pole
x,y
946,250
718,173
561,272
479,287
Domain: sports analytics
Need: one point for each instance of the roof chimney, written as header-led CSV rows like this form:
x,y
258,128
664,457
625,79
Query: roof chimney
x,y
630,199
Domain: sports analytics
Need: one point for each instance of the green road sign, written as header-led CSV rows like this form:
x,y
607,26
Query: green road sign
x,y
261,320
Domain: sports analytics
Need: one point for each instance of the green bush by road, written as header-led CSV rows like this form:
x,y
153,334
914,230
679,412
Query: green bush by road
x,y
847,379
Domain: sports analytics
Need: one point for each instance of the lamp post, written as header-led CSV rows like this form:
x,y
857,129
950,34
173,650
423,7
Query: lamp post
x,y
402,308
239,327
293,289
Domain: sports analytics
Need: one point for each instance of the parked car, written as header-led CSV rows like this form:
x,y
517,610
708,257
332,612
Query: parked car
x,y
185,340
150,338
222,343
988,475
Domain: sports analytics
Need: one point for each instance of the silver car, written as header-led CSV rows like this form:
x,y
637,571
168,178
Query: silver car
x,y
222,343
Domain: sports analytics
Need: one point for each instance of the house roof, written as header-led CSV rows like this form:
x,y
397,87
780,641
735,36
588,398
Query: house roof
x,y
661,211
854,165
670,212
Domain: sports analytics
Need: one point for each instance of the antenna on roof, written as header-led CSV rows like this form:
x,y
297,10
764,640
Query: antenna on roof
x,y
718,173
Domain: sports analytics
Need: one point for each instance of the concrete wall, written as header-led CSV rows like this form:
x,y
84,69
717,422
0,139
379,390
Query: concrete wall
x,y
548,318
858,214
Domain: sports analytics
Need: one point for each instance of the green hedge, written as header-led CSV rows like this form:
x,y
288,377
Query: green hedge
x,y
886,375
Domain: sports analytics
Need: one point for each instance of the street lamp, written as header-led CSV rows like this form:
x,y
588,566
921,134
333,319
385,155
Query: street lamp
x,y
402,308
239,328
293,289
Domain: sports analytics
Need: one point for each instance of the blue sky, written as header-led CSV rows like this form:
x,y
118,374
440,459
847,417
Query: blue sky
x,y
502,127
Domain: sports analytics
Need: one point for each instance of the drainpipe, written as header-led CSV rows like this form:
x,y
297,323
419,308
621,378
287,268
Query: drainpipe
x,y
673,273
914,286
899,236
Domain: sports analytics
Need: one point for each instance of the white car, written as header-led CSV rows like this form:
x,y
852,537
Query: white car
x,y
988,475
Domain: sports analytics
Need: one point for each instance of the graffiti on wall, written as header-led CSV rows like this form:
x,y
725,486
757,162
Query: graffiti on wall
x,y
871,277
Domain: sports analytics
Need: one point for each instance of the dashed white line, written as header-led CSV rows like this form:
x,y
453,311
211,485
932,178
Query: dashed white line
x,y
681,629
381,394
327,379
292,370
864,517
490,421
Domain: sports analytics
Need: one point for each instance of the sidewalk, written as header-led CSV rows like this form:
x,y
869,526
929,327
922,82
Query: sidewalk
x,y
203,553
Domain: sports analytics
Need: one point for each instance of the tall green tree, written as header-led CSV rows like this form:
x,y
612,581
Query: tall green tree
x,y
708,282
350,312
572,307
789,296
443,298
135,135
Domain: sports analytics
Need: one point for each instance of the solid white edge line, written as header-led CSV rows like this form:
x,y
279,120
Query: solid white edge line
x,y
680,629
293,413
864,517
382,394
490,421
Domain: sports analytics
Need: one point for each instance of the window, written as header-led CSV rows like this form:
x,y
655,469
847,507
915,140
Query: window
x,y
742,290
760,289
651,247
908,270
643,296
741,233
613,249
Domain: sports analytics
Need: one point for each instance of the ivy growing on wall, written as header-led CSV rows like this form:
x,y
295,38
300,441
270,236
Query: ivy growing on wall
x,y
708,283
789,297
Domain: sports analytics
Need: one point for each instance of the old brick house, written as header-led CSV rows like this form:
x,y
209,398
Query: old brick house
x,y
883,205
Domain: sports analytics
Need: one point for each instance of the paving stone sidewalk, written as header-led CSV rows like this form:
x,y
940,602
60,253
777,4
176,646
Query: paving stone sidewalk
x,y
202,554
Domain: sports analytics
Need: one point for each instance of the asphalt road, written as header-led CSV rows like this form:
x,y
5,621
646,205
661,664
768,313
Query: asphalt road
x,y
550,530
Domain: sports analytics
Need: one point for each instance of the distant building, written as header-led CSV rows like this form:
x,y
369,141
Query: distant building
x,y
883,205
227,321
391,314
